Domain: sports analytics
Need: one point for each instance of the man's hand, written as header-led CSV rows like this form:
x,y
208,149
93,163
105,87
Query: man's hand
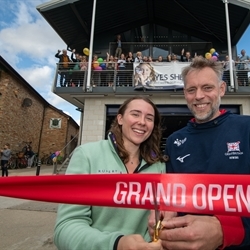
x,y
136,242
192,232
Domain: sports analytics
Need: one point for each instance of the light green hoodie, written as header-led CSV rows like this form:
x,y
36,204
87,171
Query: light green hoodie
x,y
97,228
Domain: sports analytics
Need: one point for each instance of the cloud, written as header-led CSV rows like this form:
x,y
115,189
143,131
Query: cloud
x,y
39,77
28,34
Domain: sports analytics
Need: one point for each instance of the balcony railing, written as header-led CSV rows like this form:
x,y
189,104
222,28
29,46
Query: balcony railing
x,y
111,80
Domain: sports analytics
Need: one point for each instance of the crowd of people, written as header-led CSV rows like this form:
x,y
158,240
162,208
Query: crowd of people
x,y
72,69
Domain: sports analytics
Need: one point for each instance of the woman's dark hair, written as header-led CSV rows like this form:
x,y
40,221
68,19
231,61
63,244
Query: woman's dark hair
x,y
149,149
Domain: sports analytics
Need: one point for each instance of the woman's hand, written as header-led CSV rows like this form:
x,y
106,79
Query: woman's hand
x,y
165,215
136,242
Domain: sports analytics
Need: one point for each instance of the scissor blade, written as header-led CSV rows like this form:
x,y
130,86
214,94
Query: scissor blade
x,y
157,216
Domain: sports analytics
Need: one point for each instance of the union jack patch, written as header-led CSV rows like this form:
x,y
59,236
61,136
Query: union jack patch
x,y
233,146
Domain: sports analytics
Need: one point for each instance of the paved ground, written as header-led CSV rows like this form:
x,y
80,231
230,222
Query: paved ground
x,y
24,224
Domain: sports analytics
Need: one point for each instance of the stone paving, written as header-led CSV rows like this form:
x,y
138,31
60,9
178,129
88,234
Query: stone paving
x,y
25,224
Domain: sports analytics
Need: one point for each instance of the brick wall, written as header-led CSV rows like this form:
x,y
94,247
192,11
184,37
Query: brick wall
x,y
18,122
31,122
55,139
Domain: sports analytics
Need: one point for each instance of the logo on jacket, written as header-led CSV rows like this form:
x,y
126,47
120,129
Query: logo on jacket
x,y
181,159
180,142
233,146
233,150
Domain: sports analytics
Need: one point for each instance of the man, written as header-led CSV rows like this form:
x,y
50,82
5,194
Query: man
x,y
64,66
205,148
243,68
187,58
5,156
226,75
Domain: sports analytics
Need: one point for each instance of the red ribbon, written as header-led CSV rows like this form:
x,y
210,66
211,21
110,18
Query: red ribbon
x,y
189,193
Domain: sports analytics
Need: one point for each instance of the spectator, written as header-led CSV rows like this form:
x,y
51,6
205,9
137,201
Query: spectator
x,y
187,57
145,59
133,147
159,59
84,67
64,66
118,50
130,67
5,156
121,71
76,59
110,65
243,68
172,58
138,58
95,72
30,156
226,66
150,59
212,131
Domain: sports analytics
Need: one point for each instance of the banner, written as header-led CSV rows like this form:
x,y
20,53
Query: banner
x,y
189,193
159,75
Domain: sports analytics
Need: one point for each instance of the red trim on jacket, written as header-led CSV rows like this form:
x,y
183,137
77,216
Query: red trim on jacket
x,y
233,230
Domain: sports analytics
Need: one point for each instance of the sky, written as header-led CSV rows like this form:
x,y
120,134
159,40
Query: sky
x,y
28,44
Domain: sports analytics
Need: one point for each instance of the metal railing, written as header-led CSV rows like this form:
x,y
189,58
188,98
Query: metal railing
x,y
125,77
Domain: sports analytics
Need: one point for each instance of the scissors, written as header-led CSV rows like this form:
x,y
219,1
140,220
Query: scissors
x,y
158,219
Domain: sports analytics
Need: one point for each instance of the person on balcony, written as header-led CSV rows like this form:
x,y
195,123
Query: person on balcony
x,y
110,66
187,57
121,76
226,66
138,58
132,147
83,67
118,50
242,66
64,66
76,75
130,67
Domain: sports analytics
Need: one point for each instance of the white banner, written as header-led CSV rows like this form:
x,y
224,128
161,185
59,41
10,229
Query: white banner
x,y
159,75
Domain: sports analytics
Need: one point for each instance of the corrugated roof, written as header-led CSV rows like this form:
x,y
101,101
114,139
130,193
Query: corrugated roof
x,y
71,19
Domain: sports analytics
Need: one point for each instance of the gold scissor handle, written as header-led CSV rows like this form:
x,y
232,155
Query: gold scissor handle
x,y
157,229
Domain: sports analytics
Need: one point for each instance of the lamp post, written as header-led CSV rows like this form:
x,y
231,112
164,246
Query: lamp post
x,y
91,45
232,84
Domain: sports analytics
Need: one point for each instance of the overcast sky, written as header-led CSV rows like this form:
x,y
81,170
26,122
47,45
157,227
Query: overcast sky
x,y
28,44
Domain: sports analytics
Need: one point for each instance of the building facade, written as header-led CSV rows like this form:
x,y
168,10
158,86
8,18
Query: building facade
x,y
27,117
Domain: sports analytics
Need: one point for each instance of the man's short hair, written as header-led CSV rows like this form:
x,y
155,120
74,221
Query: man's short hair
x,y
200,63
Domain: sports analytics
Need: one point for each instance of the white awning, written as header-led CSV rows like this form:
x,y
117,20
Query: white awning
x,y
53,4
241,3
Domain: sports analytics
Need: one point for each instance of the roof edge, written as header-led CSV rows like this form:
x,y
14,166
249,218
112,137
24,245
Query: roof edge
x,y
54,4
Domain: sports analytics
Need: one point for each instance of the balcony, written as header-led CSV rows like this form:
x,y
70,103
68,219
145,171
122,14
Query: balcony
x,y
73,86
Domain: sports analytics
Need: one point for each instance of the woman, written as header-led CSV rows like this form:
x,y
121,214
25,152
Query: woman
x,y
133,146
110,65
144,74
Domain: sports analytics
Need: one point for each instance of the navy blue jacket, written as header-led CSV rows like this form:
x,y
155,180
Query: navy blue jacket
x,y
219,146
